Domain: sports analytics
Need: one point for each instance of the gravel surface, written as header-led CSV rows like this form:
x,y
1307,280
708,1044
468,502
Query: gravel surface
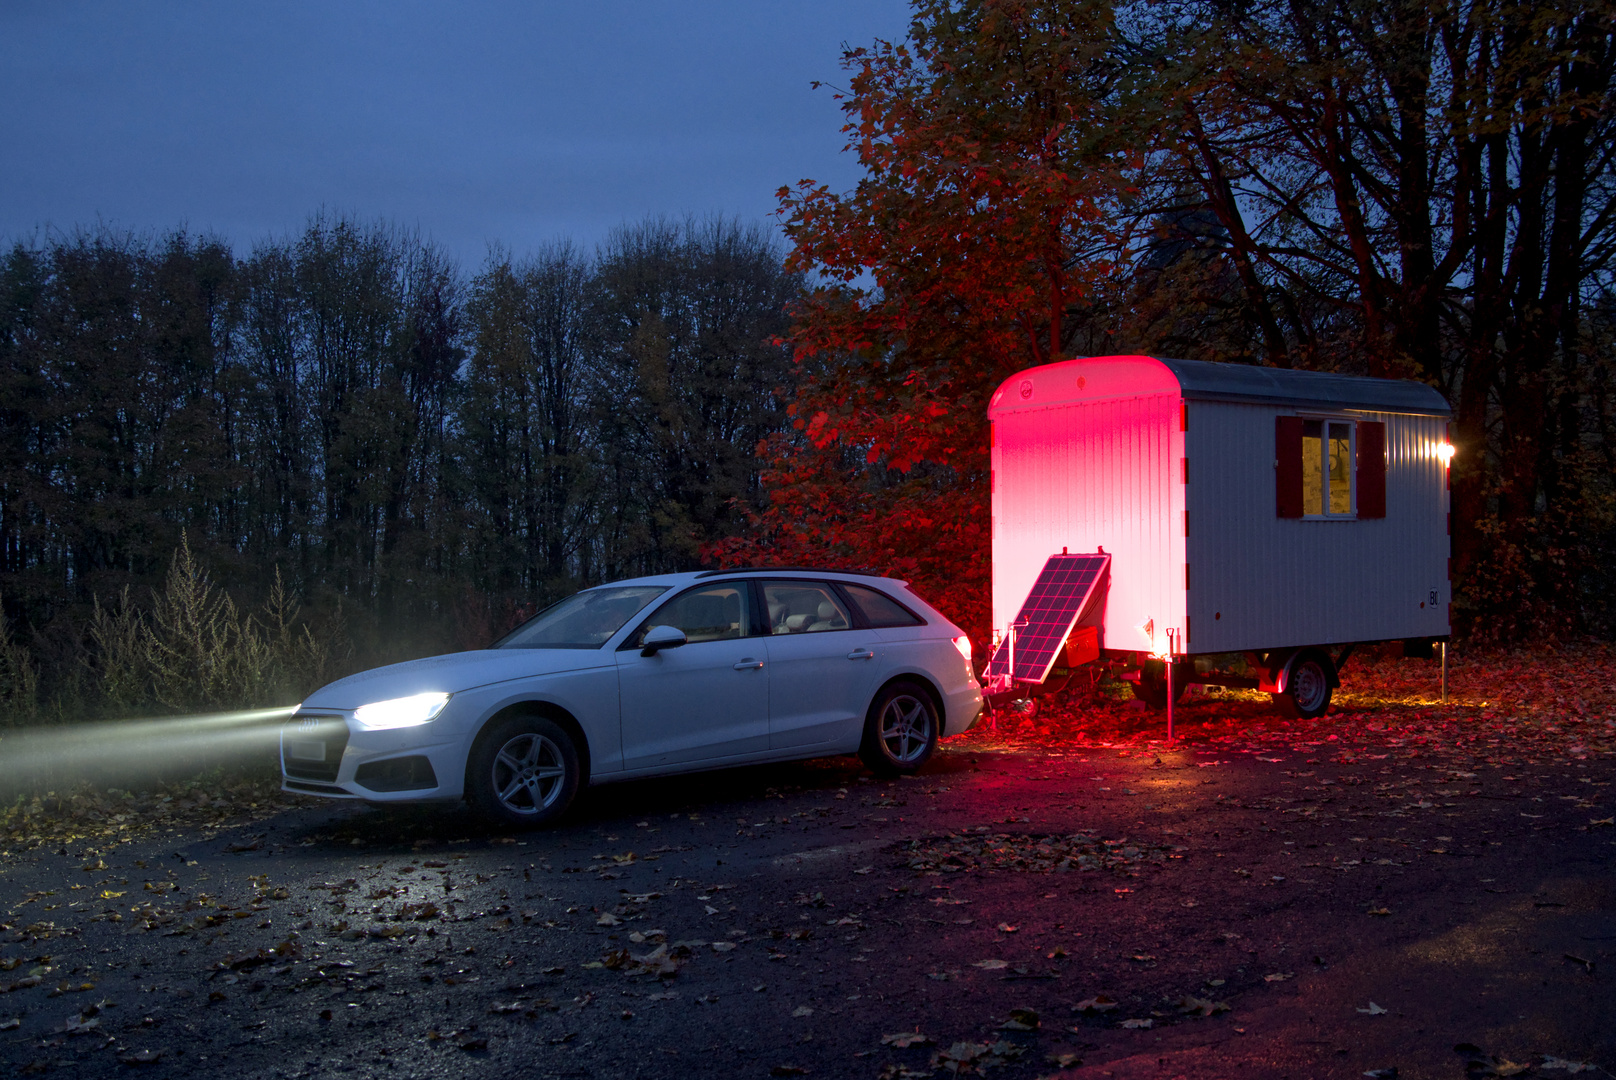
x,y
1327,903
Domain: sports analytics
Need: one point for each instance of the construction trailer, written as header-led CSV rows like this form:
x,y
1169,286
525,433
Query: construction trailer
x,y
1178,515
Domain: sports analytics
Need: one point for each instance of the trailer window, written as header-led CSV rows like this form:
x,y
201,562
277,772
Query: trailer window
x,y
1326,469
1340,469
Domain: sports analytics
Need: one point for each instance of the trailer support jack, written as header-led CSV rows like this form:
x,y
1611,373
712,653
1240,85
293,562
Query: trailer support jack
x,y
1170,685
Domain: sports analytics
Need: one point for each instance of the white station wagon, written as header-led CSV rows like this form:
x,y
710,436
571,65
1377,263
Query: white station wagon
x,y
647,677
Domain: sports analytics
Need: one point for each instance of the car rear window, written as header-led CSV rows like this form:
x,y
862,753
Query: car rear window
x,y
804,607
879,609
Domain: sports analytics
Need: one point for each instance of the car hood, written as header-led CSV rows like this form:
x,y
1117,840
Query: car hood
x,y
451,674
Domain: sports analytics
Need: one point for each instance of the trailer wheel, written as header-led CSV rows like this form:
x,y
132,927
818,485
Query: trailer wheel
x,y
1152,685
1307,691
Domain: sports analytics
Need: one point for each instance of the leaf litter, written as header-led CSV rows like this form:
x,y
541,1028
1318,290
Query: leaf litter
x,y
1033,853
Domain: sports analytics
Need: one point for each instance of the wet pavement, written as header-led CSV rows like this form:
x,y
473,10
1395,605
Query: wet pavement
x,y
1327,910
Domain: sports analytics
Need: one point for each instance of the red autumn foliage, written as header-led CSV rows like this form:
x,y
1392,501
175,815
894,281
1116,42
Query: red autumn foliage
x,y
943,272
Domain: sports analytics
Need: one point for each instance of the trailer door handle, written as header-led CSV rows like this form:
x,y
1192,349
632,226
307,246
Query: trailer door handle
x,y
748,663
861,654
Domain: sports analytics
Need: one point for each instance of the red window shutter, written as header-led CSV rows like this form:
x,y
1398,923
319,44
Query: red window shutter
x,y
1288,466
1371,469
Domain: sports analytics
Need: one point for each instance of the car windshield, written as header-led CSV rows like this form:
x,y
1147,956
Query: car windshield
x,y
585,620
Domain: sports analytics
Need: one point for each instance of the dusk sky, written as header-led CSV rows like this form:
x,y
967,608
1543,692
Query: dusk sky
x,y
471,121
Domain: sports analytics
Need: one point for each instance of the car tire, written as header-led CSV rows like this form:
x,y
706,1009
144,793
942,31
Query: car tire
x,y
900,730
524,771
1308,689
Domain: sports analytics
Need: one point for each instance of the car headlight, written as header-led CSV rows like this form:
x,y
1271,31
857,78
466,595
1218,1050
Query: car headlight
x,y
400,712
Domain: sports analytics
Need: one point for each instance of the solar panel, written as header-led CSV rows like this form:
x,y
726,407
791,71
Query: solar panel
x,y
1057,600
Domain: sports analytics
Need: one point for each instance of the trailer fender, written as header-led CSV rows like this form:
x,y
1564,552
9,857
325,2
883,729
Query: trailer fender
x,y
1275,674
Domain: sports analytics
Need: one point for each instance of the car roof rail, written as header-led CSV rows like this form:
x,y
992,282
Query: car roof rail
x,y
859,572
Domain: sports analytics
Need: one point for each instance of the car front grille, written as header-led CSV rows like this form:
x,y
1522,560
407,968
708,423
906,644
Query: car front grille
x,y
312,746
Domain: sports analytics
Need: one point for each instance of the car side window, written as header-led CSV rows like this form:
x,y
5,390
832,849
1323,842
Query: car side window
x,y
710,613
880,610
804,607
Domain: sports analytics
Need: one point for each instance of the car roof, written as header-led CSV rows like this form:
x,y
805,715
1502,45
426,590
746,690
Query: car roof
x,y
693,576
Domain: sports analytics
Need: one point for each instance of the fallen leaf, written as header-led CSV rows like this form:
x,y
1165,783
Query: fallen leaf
x,y
1550,1062
1493,1065
1373,1010
966,1056
1278,977
1006,928
1022,1019
802,1010
905,1039
1194,1006
1380,911
1099,1003
607,919
1139,1024
991,965
1064,1061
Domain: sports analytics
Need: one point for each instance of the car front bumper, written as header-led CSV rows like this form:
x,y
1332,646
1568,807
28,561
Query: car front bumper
x,y
325,753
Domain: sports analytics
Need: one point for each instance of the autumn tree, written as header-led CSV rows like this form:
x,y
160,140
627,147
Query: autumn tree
x,y
989,157
685,315
1425,191
522,452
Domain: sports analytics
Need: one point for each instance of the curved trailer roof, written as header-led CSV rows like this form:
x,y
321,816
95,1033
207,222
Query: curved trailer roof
x,y
1200,380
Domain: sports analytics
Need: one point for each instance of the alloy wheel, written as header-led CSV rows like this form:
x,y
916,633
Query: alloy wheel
x,y
529,773
905,729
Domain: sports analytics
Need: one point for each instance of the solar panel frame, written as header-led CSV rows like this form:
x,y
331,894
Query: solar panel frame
x,y
1065,588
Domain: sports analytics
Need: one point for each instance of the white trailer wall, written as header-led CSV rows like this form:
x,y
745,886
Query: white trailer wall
x,y
1257,580
1085,476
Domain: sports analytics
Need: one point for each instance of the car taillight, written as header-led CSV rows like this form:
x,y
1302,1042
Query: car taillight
x,y
963,644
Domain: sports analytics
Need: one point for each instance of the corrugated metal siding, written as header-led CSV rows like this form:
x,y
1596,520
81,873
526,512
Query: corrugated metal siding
x,y
1086,476
1258,581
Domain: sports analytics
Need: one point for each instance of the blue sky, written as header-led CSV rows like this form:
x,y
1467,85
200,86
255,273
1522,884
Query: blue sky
x,y
471,121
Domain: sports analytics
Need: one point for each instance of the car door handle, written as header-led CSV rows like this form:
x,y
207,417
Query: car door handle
x,y
861,654
749,663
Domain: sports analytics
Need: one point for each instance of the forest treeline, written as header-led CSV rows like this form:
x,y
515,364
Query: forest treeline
x,y
417,454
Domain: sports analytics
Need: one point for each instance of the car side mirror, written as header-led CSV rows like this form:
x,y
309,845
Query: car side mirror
x,y
662,637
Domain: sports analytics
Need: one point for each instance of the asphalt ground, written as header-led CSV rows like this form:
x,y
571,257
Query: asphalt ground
x,y
1070,897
